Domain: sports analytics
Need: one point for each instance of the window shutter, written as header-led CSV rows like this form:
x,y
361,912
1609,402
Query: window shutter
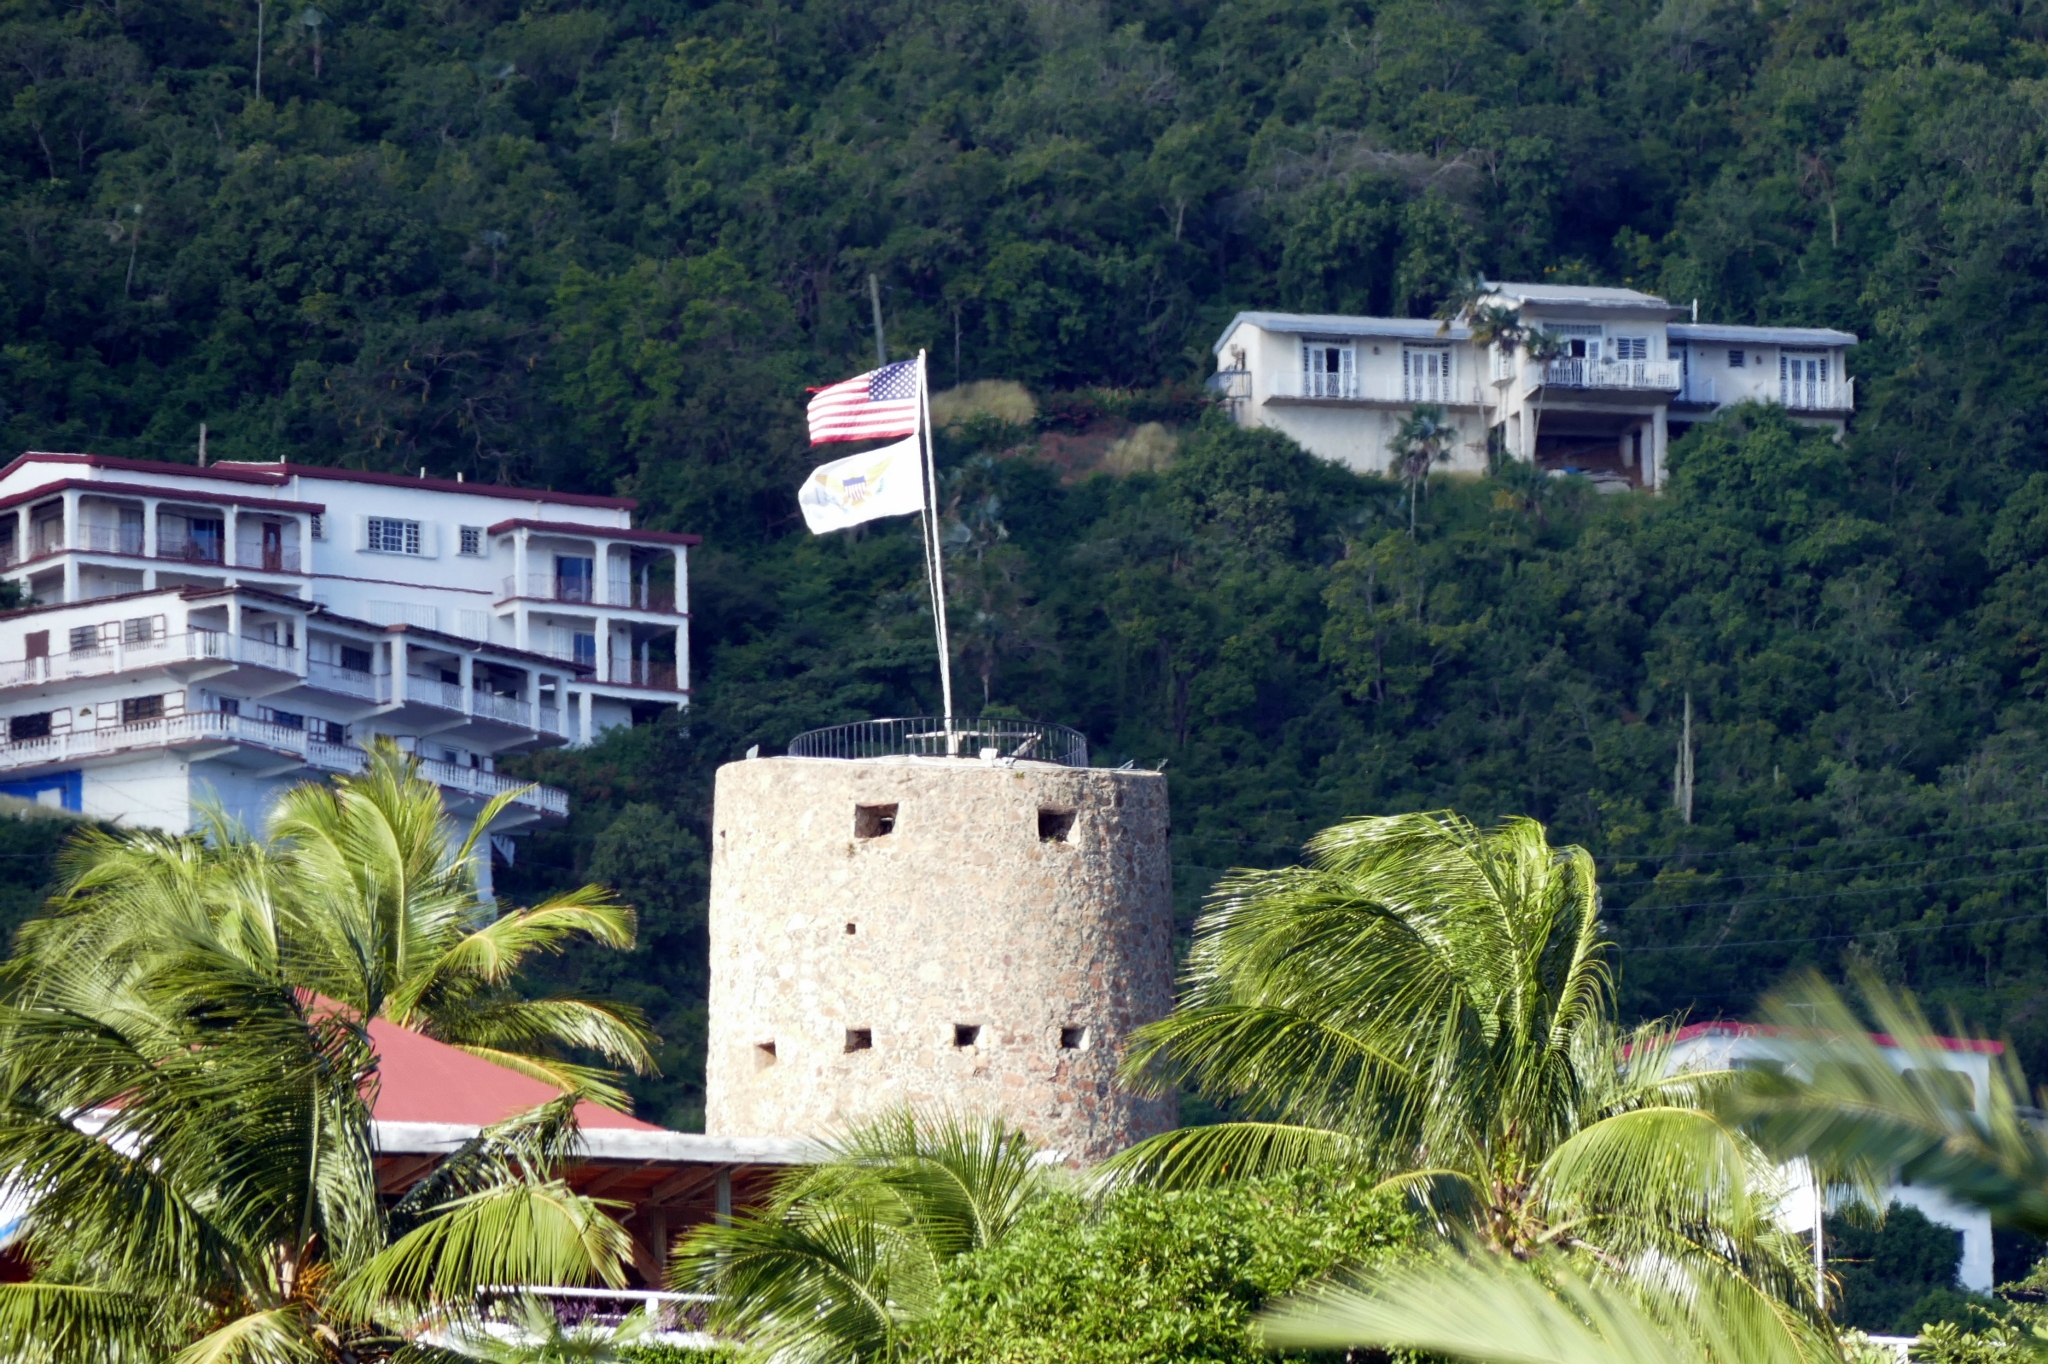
x,y
430,540
362,532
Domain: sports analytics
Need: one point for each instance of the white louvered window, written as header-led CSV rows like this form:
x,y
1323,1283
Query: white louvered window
x,y
1426,374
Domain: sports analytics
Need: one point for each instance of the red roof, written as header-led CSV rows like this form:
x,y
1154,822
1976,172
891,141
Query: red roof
x,y
421,1080
280,472
1721,1028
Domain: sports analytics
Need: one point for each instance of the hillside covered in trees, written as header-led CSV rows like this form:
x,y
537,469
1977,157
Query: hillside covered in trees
x,y
606,247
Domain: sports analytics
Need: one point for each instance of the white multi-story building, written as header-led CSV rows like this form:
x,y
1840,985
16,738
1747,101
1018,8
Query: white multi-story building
x,y
1965,1064
213,634
1634,375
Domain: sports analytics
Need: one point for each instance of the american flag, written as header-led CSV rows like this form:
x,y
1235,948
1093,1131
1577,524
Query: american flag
x,y
880,403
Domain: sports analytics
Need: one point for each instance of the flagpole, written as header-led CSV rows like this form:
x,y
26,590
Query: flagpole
x,y
938,558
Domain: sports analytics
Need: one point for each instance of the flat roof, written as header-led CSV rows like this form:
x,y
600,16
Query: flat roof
x,y
277,474
1333,324
1580,295
1782,336
644,537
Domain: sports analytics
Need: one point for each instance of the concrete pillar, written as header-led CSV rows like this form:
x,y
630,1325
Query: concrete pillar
x,y
305,524
604,649
231,546
583,701
519,538
682,579
234,627
683,658
533,699
467,667
400,662
1659,445
72,535
149,530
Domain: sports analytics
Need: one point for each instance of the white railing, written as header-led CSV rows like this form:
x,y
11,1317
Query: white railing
x,y
1818,395
477,782
191,727
432,691
110,539
511,710
122,655
1647,375
346,681
201,726
551,720
551,587
1406,389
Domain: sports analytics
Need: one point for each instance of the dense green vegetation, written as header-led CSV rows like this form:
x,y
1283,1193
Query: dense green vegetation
x,y
606,246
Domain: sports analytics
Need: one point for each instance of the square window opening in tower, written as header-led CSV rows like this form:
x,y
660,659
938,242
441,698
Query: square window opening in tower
x,y
1074,1037
873,821
966,1034
764,1055
1055,825
860,1039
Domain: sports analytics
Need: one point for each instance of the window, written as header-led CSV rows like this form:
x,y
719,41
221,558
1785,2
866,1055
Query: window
x,y
851,930
1328,371
85,639
354,659
390,536
1074,1037
1736,359
873,821
290,719
764,1055
138,630
228,705
333,731
20,727
1055,826
966,1034
1631,347
473,540
586,651
319,526
860,1039
36,644
136,709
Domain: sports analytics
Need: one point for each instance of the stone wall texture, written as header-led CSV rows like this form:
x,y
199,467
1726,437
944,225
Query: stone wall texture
x,y
990,951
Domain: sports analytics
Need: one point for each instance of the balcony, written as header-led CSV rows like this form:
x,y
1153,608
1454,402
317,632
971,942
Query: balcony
x,y
432,691
212,726
618,593
343,681
1352,388
1817,395
506,710
634,673
1660,377
106,660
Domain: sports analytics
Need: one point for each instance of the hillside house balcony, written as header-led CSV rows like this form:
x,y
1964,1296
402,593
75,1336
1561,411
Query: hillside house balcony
x,y
1817,395
142,643
621,593
1371,390
1651,378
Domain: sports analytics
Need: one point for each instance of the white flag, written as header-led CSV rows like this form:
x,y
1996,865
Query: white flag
x,y
846,492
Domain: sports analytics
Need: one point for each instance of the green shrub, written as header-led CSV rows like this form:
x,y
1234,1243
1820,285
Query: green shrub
x,y
1154,1277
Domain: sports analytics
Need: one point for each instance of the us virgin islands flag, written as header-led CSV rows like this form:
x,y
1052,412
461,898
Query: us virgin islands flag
x,y
846,492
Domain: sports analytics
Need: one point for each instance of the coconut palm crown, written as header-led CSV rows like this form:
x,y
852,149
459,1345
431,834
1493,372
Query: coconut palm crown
x,y
1429,1001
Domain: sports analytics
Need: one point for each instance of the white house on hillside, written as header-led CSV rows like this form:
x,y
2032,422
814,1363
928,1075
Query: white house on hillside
x,y
219,632
1636,374
1966,1064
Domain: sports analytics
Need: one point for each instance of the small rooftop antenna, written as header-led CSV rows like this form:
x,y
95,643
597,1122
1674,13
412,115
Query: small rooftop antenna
x,y
202,445
1695,310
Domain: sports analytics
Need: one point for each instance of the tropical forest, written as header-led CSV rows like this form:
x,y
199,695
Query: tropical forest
x,y
1791,709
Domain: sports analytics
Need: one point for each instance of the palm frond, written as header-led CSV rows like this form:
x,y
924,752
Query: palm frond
x,y
538,1233
282,1335
1205,1157
63,1321
1506,1311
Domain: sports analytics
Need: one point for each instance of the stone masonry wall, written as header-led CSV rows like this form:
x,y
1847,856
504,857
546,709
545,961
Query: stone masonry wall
x,y
988,945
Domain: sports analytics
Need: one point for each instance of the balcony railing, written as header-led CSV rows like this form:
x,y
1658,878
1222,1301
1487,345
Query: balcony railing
x,y
432,691
508,710
110,539
634,673
617,592
122,655
1818,395
1406,389
217,726
1650,376
345,681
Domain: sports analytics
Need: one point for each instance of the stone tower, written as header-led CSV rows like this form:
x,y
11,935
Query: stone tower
x,y
892,927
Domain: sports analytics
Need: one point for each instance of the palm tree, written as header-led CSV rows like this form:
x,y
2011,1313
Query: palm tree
x,y
191,1132
1422,440
1428,1002
850,1250
365,898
